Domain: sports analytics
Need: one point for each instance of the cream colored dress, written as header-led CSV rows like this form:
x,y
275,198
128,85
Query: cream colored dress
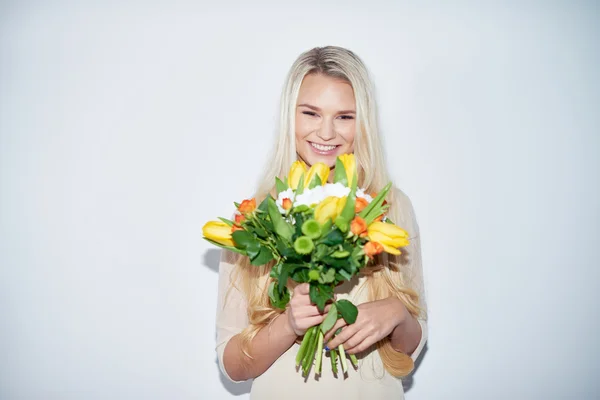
x,y
281,381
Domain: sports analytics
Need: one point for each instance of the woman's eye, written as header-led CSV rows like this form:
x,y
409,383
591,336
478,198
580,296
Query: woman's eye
x,y
312,114
346,117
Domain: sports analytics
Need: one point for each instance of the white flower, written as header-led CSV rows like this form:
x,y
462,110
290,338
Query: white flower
x,y
336,190
361,193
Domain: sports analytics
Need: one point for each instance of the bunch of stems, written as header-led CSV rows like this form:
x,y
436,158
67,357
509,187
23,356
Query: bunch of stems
x,y
311,350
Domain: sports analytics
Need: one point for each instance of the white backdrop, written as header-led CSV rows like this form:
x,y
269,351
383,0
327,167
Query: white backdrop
x,y
125,127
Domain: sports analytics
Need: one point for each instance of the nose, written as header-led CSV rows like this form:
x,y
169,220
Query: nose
x,y
326,131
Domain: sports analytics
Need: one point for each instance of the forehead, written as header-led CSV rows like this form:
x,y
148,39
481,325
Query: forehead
x,y
326,90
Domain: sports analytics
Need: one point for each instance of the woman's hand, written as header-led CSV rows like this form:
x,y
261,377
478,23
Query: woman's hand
x,y
375,321
301,313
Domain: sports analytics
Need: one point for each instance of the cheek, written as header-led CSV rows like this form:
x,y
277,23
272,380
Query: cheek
x,y
348,132
303,127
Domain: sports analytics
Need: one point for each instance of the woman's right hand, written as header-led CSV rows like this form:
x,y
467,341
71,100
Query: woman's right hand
x,y
302,314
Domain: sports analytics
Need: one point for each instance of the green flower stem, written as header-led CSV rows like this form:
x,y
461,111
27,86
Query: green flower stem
x,y
310,353
303,346
343,358
333,355
319,360
354,360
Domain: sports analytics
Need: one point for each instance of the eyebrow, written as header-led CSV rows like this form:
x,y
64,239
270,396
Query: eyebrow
x,y
318,109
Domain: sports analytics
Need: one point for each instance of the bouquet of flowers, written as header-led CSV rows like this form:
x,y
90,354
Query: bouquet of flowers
x,y
315,232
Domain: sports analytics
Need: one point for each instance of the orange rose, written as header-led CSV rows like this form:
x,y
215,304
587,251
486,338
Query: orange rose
x,y
247,206
373,248
239,218
360,204
358,225
286,204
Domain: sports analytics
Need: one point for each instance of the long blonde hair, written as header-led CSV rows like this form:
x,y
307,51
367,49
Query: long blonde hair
x,y
388,275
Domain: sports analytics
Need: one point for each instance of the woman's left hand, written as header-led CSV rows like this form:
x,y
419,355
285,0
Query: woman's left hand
x,y
376,320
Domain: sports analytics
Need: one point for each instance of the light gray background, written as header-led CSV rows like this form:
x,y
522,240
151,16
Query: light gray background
x,y
125,126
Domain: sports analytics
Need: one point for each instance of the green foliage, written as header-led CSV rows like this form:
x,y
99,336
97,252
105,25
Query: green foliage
x,y
339,174
374,209
227,221
234,249
316,181
282,227
278,300
280,185
320,294
347,310
330,319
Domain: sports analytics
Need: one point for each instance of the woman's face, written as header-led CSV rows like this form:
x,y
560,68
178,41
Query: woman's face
x,y
325,119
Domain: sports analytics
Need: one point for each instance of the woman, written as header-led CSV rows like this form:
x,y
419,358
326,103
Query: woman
x,y
327,109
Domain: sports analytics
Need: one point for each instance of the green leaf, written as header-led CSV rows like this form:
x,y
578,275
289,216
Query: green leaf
x,y
326,227
300,188
282,228
264,204
300,208
264,256
340,173
371,211
227,221
320,294
344,274
253,249
237,205
348,210
316,181
286,270
330,319
258,230
342,224
242,238
340,254
347,310
327,277
281,186
334,237
234,249
277,300
301,275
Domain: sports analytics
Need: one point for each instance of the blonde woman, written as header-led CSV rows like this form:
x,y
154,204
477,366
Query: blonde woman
x,y
327,109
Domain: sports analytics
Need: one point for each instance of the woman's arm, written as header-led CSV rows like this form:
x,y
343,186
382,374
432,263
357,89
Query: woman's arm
x,y
271,341
267,346
407,335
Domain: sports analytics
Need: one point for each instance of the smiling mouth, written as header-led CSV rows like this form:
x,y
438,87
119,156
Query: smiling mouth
x,y
323,148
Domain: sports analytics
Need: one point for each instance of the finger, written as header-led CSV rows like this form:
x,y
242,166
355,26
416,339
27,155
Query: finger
x,y
306,323
346,333
308,311
356,340
362,346
302,289
340,323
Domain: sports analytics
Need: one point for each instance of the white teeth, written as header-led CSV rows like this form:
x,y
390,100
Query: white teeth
x,y
322,147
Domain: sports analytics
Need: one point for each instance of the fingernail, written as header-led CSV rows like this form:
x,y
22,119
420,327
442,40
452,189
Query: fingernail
x,y
326,348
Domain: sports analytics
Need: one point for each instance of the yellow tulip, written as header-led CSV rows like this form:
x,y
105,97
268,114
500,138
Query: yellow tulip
x,y
321,170
389,236
297,169
349,163
327,209
218,231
